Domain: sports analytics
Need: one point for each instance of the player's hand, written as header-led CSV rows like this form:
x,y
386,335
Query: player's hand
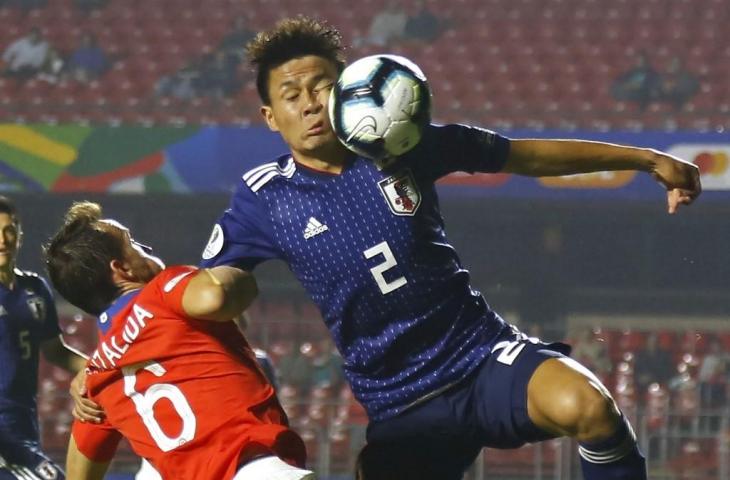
x,y
84,409
680,178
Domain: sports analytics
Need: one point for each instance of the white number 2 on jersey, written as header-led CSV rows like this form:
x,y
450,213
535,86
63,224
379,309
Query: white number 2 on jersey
x,y
377,271
145,402
510,350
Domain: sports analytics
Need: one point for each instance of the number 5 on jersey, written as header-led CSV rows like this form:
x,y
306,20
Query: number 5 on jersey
x,y
378,270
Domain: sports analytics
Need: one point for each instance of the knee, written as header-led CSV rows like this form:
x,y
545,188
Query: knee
x,y
564,398
596,414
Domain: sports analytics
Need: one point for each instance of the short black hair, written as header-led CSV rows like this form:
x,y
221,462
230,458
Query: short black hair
x,y
289,39
8,206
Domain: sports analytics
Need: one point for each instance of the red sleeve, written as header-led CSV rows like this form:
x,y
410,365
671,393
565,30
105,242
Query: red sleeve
x,y
172,283
97,441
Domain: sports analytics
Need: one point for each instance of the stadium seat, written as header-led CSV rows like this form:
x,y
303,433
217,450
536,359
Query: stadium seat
x,y
657,406
696,459
289,398
535,40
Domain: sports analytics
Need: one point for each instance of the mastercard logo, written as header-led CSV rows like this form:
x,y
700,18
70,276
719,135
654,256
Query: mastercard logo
x,y
712,163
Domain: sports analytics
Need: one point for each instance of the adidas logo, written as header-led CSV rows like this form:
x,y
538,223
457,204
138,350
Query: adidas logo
x,y
314,227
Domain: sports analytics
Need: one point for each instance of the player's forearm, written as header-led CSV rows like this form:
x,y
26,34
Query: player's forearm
x,y
77,361
59,353
220,293
542,158
239,289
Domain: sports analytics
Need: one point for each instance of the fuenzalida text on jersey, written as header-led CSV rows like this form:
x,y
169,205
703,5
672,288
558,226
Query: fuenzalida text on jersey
x,y
369,246
113,349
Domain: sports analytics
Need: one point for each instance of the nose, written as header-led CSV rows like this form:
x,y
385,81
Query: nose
x,y
313,105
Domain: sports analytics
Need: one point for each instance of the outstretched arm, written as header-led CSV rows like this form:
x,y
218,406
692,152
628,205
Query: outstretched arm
x,y
542,158
219,293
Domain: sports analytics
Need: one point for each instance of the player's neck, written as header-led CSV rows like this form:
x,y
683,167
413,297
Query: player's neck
x,y
126,287
7,276
330,160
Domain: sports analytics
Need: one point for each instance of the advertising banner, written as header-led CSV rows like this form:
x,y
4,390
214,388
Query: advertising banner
x,y
135,159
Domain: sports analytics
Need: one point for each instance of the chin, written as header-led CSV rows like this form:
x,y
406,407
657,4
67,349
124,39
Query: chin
x,y
325,144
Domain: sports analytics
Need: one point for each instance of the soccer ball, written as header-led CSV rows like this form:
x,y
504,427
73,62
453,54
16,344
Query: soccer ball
x,y
380,106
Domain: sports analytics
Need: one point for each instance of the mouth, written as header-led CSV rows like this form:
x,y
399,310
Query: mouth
x,y
316,129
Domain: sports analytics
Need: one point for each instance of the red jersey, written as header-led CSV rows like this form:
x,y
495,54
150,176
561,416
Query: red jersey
x,y
187,394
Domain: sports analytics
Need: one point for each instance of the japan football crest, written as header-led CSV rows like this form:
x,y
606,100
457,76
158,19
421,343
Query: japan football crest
x,y
401,192
37,307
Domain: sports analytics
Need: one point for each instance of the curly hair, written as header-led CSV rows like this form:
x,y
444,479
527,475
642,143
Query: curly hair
x,y
292,38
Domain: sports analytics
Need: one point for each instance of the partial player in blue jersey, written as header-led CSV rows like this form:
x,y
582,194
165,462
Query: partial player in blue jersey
x,y
28,324
440,374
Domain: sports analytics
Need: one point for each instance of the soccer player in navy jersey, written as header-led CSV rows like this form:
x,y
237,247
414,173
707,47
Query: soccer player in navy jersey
x,y
440,374
28,324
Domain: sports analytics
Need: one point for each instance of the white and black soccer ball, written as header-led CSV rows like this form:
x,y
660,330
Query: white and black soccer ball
x,y
380,106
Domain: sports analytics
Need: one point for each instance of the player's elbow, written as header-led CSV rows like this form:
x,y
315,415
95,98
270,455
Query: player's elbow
x,y
240,296
211,301
222,302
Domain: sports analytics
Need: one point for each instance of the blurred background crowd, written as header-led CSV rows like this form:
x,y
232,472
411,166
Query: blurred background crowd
x,y
643,298
655,64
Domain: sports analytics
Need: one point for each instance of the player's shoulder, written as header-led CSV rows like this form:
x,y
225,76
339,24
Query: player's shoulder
x,y
260,354
169,278
456,132
267,173
29,278
26,274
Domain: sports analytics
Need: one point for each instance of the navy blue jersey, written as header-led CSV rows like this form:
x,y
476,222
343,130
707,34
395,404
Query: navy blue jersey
x,y
27,317
267,366
369,246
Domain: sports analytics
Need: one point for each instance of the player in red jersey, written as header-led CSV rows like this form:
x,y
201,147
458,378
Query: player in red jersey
x,y
171,371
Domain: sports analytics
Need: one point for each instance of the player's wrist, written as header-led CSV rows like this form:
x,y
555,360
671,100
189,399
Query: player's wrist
x,y
648,160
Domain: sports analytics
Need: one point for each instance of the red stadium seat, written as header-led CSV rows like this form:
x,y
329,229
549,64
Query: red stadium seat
x,y
534,43
657,406
667,339
696,459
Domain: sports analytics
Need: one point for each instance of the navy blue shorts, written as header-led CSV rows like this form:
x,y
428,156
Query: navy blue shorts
x,y
487,409
25,460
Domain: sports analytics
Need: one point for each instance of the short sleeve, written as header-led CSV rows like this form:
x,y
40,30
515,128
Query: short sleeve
x,y
243,235
97,441
171,284
461,148
50,328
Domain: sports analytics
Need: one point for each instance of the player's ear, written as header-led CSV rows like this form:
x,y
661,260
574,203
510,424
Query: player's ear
x,y
120,270
268,115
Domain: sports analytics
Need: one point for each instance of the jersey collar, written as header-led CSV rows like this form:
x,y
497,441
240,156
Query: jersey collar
x,y
104,320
